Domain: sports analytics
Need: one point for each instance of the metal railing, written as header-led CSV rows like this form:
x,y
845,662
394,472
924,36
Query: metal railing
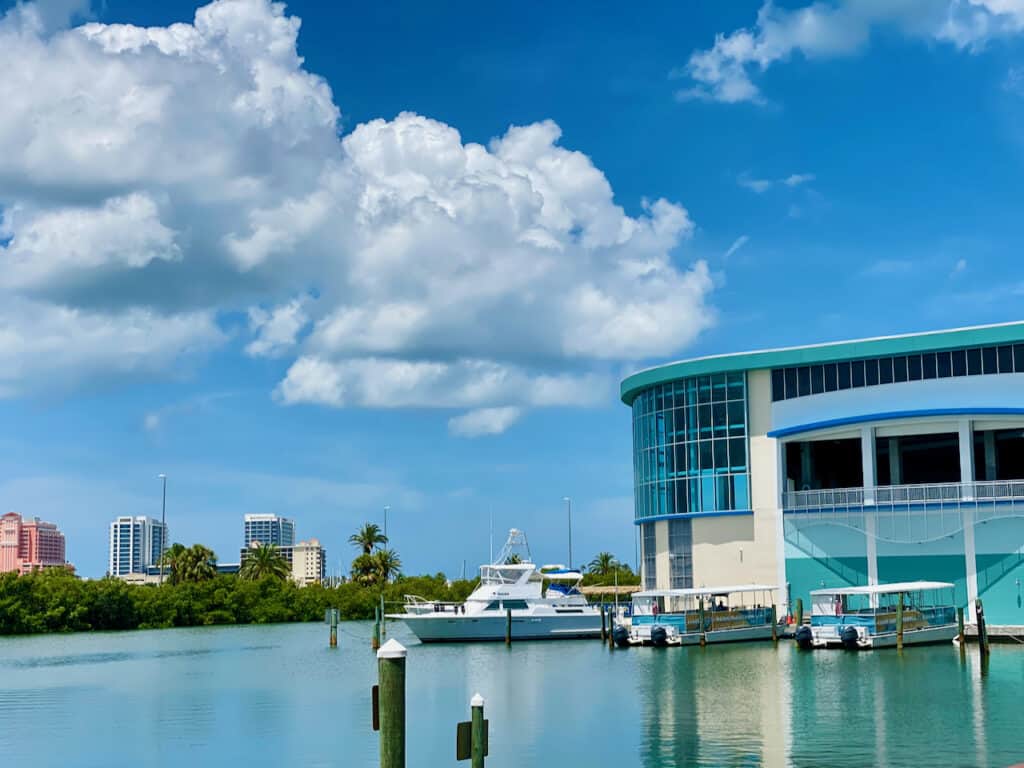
x,y
905,513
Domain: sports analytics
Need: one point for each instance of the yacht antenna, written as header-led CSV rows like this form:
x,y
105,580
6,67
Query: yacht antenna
x,y
490,514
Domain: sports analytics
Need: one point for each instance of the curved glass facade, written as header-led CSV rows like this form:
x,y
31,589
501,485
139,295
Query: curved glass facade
x,y
690,446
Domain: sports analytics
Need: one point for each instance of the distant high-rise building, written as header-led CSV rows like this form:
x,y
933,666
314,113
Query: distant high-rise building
x,y
29,545
136,544
269,529
309,562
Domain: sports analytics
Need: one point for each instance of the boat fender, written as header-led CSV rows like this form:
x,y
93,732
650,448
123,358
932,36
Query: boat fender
x,y
849,637
659,636
621,636
804,637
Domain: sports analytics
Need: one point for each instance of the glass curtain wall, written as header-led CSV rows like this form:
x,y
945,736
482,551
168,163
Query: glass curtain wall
x,y
690,446
680,553
649,553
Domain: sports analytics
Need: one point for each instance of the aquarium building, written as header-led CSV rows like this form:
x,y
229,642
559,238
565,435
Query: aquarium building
x,y
857,462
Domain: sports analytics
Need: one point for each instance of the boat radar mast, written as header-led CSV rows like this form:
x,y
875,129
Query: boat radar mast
x,y
516,549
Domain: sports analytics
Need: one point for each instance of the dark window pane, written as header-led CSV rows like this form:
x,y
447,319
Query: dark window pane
x,y
735,384
791,389
778,385
719,420
974,361
1018,358
885,370
831,378
959,362
737,417
988,360
804,381
659,400
928,365
844,375
721,449
914,368
870,372
707,462
718,389
944,364
1005,359
899,369
857,373
738,454
704,420
817,379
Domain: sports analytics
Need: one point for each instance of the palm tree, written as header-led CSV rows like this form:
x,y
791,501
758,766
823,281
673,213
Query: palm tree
x,y
195,563
602,564
387,565
265,560
171,559
368,537
513,559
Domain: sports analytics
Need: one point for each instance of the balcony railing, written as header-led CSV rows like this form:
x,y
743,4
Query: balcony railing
x,y
905,513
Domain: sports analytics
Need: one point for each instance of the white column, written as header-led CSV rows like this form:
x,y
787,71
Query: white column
x,y
967,513
867,460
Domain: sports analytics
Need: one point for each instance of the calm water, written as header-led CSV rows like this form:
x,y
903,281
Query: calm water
x,y
277,696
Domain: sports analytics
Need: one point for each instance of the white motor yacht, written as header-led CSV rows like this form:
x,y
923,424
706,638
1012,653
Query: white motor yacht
x,y
511,583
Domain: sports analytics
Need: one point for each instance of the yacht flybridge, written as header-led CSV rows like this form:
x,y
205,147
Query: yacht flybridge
x,y
859,618
511,583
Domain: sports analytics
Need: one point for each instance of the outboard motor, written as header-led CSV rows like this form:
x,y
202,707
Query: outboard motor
x,y
850,637
659,636
804,637
621,636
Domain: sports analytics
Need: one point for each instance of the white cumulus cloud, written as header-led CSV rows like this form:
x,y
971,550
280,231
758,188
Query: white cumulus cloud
x,y
483,421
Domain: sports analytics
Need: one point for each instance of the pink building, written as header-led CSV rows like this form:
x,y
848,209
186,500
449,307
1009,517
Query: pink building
x,y
29,545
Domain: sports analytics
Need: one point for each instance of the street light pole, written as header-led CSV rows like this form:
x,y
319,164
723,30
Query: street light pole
x,y
163,526
386,508
568,507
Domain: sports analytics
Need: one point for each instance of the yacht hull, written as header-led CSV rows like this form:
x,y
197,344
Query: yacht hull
x,y
456,629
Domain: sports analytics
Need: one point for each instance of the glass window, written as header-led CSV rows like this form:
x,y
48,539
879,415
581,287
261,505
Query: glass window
x,y
735,383
804,381
707,459
719,419
723,492
679,458
659,400
899,369
704,420
914,368
944,364
704,389
857,373
737,417
719,392
791,388
1005,359
973,361
870,372
740,498
885,370
707,494
831,378
1018,358
988,360
959,362
929,367
817,379
844,375
778,385
738,454
721,449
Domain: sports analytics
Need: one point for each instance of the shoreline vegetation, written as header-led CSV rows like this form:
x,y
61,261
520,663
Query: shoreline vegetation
x,y
195,595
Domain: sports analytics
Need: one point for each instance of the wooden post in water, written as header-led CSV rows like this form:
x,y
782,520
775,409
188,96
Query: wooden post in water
x,y
508,626
603,638
383,627
899,623
391,672
775,627
979,613
334,626
375,641
477,750
960,630
703,639
799,612
611,630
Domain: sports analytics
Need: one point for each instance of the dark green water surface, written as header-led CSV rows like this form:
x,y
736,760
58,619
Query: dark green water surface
x,y
277,696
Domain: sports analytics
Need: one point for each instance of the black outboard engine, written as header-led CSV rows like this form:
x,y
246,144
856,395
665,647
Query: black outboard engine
x,y
621,636
850,637
659,636
804,637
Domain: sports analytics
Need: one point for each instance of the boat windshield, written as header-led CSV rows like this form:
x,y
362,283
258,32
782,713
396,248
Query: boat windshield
x,y
499,574
847,602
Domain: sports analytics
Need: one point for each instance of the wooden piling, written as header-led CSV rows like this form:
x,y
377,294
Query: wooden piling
x,y
775,627
603,636
960,631
477,750
391,673
383,624
979,613
375,641
799,612
703,639
611,630
899,623
334,627
508,626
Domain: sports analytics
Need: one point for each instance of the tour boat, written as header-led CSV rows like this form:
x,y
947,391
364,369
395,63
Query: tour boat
x,y
511,583
859,618
663,617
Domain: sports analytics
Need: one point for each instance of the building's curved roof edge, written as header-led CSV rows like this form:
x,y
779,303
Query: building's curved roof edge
x,y
927,341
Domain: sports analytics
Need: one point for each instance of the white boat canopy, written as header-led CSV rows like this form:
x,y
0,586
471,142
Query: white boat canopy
x,y
706,591
561,575
885,589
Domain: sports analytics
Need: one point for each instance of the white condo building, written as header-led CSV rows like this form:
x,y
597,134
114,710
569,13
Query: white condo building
x,y
136,544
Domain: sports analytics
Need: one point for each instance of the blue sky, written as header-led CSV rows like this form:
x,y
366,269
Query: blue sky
x,y
201,279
